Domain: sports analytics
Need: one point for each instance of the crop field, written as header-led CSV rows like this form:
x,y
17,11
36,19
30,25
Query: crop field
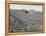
x,y
25,21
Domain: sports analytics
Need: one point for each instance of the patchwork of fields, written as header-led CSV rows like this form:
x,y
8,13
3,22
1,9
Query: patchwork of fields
x,y
25,21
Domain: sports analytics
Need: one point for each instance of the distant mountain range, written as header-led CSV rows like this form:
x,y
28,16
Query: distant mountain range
x,y
30,11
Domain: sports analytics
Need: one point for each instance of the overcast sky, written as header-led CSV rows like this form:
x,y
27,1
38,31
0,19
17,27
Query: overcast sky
x,y
27,7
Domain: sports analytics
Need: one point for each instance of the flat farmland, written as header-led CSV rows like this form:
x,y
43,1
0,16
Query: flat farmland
x,y
25,21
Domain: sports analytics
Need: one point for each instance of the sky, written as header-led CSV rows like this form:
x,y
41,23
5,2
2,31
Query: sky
x,y
27,7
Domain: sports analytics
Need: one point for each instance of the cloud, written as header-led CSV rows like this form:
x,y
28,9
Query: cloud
x,y
27,7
